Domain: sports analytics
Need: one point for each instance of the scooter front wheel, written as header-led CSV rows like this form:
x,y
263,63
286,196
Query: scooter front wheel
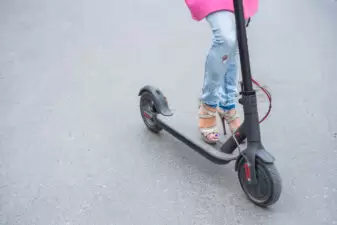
x,y
267,191
148,112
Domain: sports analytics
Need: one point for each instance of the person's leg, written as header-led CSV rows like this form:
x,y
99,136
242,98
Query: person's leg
x,y
223,28
228,93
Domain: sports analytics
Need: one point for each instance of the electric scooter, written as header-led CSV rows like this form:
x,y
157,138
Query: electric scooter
x,y
255,167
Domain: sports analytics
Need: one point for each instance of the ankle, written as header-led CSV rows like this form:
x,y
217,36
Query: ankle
x,y
209,107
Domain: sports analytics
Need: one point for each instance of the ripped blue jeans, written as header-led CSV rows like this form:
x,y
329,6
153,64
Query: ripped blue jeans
x,y
220,79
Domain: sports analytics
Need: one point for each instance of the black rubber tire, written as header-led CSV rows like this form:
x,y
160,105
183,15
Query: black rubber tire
x,y
274,183
146,99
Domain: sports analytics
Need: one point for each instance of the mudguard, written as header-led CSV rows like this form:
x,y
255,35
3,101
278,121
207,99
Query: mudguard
x,y
159,100
262,155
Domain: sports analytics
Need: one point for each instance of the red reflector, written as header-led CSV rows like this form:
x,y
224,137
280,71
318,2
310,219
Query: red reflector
x,y
247,171
147,115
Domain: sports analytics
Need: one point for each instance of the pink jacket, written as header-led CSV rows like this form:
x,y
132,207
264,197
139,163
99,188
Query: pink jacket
x,y
201,8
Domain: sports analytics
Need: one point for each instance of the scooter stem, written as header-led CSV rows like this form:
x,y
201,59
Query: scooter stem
x,y
243,46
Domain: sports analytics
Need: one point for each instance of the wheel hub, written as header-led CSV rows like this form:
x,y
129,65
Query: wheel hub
x,y
147,107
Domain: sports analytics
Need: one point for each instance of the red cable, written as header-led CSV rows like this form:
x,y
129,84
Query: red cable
x,y
268,96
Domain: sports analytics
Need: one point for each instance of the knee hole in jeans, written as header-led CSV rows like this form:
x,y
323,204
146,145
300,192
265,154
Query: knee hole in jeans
x,y
224,58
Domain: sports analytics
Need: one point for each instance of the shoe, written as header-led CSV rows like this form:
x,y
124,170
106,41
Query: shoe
x,y
210,133
231,117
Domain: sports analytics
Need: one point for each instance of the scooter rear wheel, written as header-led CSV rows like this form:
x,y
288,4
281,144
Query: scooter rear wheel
x,y
148,112
267,191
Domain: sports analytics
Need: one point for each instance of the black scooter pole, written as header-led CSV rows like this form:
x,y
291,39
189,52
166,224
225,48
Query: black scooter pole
x,y
250,128
243,46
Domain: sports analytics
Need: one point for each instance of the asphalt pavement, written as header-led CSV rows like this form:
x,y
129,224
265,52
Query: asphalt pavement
x,y
73,147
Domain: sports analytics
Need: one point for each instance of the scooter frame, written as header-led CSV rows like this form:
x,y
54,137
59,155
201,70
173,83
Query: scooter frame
x,y
250,128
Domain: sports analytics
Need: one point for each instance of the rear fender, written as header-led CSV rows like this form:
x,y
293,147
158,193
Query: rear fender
x,y
159,100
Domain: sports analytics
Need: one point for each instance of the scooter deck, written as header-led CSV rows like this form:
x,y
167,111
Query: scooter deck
x,y
184,127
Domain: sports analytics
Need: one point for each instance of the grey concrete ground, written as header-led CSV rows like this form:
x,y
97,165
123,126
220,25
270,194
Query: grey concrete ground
x,y
73,149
